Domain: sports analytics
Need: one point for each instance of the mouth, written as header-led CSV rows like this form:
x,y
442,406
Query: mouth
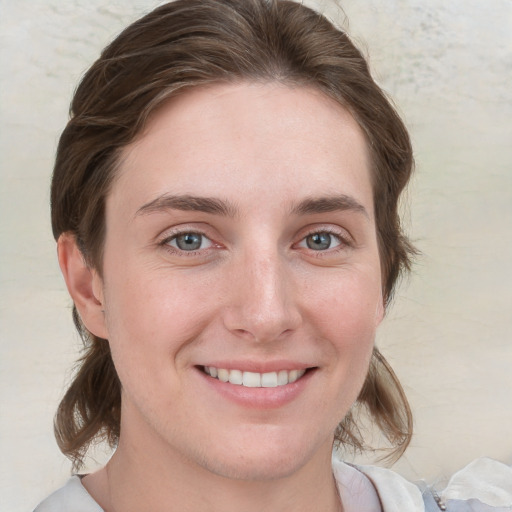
x,y
255,379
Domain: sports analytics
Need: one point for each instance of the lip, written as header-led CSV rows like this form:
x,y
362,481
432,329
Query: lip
x,y
258,366
258,398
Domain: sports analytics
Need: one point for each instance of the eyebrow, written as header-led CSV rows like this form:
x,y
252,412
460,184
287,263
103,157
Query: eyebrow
x,y
335,203
215,206
188,203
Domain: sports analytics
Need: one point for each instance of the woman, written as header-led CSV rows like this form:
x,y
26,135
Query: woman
x,y
225,205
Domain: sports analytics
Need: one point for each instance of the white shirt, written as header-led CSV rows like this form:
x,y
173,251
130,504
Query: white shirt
x,y
484,485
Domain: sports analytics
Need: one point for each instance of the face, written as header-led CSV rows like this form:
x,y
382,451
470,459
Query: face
x,y
241,278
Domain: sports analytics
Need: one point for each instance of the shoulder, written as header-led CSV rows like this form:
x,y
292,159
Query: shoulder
x,y
485,485
376,489
72,497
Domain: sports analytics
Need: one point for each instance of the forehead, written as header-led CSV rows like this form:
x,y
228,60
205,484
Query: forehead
x,y
239,139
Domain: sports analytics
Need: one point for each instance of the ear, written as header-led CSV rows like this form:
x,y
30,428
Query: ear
x,y
84,285
380,311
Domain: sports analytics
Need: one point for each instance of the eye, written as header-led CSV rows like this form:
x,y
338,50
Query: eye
x,y
189,242
321,241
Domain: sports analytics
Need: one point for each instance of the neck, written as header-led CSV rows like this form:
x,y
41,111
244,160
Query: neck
x,y
145,477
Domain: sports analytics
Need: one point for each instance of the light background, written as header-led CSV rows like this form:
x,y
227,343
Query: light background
x,y
448,66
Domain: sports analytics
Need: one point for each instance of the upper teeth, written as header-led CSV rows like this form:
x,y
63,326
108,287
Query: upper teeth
x,y
254,379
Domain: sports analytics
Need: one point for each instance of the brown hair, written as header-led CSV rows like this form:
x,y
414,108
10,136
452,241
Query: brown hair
x,y
188,43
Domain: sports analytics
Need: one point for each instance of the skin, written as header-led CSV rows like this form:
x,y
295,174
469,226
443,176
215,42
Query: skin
x,y
254,294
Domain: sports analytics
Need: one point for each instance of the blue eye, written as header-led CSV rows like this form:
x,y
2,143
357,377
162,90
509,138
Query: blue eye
x,y
190,242
321,241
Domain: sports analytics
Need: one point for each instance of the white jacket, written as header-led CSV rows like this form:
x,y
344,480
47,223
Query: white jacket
x,y
483,486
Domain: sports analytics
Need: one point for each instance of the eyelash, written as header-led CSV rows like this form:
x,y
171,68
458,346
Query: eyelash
x,y
165,243
344,242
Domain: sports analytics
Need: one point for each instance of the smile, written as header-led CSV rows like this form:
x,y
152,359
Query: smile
x,y
254,379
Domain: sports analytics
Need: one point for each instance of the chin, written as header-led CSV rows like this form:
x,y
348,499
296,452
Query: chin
x,y
265,457
248,468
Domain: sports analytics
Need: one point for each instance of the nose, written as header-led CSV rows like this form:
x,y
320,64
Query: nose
x,y
263,301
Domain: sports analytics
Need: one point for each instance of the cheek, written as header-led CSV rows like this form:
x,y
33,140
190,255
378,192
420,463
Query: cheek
x,y
149,323
346,315
149,309
348,302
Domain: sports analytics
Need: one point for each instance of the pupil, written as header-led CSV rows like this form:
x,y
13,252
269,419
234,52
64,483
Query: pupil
x,y
319,241
189,242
